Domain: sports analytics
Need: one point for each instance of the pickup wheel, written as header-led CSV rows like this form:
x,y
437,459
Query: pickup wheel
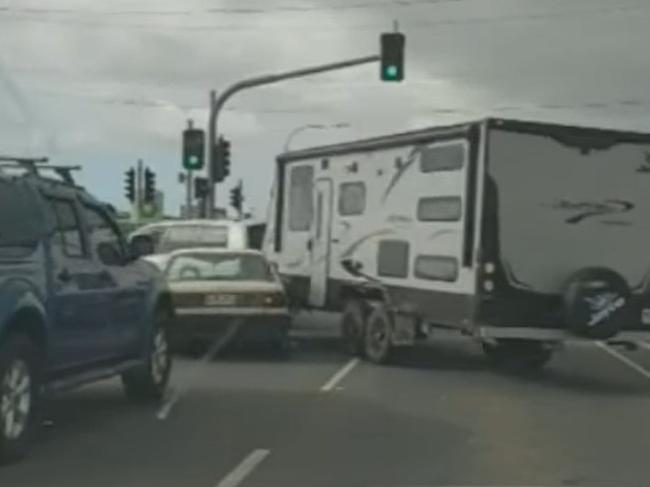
x,y
148,381
19,396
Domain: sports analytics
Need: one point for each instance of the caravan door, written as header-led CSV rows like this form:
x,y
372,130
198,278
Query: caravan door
x,y
320,242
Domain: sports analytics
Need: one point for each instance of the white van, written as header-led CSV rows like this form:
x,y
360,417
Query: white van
x,y
182,234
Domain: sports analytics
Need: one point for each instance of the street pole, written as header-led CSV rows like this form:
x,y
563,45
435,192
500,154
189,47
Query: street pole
x,y
216,104
302,128
210,201
188,180
139,190
240,210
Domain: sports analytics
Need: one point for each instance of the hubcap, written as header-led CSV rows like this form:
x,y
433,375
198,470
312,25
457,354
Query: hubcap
x,y
159,356
16,399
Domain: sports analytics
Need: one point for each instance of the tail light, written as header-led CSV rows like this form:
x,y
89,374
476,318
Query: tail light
x,y
488,271
274,300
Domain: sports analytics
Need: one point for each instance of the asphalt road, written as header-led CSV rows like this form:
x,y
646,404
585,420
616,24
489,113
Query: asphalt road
x,y
441,417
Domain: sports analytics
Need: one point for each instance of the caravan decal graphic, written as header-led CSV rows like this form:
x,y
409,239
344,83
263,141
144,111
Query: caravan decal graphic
x,y
416,151
440,233
356,244
585,209
603,305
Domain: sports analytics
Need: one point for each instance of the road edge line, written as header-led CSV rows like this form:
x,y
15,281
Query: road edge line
x,y
244,468
339,375
622,358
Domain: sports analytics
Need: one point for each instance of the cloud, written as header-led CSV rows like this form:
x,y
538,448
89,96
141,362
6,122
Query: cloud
x,y
107,82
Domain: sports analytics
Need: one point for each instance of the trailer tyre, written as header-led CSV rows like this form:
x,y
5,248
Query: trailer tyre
x,y
378,336
352,327
596,303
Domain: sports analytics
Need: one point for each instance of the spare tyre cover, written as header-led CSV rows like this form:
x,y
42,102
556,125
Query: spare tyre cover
x,y
596,302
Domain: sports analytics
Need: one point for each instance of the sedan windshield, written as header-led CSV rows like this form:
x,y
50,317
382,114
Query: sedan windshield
x,y
218,267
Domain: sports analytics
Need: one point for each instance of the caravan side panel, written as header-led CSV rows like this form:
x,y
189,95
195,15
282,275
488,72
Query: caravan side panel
x,y
406,212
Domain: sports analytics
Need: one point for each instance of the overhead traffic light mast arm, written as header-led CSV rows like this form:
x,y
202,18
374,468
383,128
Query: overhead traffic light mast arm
x,y
218,103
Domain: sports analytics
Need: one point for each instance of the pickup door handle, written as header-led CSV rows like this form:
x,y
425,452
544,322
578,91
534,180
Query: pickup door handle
x,y
310,244
64,275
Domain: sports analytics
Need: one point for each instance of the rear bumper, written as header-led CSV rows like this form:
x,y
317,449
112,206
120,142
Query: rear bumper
x,y
251,324
552,334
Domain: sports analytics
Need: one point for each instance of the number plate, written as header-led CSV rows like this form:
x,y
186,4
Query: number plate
x,y
220,299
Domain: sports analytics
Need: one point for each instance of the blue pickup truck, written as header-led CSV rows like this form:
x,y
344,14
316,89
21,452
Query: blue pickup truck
x,y
77,304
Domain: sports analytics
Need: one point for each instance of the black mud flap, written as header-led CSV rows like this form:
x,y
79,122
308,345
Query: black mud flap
x,y
404,330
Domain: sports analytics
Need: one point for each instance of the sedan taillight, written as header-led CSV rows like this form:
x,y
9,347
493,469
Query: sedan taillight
x,y
274,300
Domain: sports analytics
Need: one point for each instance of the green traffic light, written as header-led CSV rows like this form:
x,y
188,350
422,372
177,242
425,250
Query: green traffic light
x,y
193,162
391,71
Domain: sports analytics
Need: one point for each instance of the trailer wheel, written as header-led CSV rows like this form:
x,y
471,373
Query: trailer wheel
x,y
352,327
517,354
378,336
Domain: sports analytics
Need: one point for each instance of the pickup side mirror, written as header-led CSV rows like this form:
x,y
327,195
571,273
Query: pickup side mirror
x,y
140,246
352,266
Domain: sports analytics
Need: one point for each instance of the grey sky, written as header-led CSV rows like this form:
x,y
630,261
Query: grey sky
x,y
103,83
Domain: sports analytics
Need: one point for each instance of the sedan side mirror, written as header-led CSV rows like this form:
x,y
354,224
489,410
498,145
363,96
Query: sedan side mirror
x,y
141,245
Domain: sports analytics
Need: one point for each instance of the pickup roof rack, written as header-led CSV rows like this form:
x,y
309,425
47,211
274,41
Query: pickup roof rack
x,y
33,166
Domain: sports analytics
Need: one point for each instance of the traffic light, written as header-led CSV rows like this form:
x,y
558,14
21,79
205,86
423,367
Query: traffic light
x,y
193,149
222,160
237,197
392,56
149,185
200,188
129,185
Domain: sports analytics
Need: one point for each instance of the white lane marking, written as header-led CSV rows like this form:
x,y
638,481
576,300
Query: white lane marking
x,y
167,406
339,375
244,469
630,363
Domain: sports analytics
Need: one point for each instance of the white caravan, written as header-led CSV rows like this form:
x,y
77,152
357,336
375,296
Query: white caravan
x,y
520,234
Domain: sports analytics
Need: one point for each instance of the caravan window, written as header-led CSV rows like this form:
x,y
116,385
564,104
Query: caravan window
x,y
352,199
301,210
393,258
440,209
436,268
447,157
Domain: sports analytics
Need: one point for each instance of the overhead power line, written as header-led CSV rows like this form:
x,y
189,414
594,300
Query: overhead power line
x,y
585,13
162,104
296,7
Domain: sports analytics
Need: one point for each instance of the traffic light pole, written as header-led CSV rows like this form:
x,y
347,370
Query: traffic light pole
x,y
217,103
139,190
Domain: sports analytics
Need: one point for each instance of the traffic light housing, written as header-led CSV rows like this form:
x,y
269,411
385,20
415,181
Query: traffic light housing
x,y
392,56
149,185
200,187
129,185
193,149
237,197
222,160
